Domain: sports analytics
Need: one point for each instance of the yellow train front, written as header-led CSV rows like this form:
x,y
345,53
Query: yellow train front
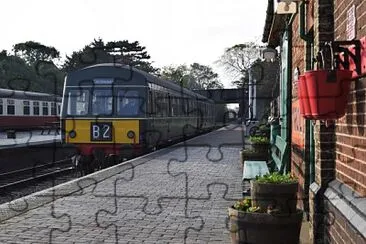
x,y
111,111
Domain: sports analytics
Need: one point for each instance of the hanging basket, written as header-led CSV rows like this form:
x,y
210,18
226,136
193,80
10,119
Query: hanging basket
x,y
326,92
303,98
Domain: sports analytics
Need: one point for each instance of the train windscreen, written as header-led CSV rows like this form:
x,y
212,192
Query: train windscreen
x,y
78,102
102,102
121,102
129,103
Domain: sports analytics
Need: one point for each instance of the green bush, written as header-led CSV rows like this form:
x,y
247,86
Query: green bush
x,y
245,205
259,139
276,178
249,151
264,127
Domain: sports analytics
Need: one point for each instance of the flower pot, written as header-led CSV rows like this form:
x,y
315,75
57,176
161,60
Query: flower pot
x,y
261,147
245,156
303,97
264,228
281,196
327,92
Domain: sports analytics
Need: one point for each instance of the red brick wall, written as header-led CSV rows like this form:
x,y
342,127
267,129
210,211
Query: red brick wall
x,y
351,129
350,135
338,229
324,137
298,123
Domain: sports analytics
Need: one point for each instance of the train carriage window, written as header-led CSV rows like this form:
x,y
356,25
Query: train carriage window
x,y
151,104
173,105
1,106
102,102
159,99
11,106
53,109
165,105
45,108
179,106
77,102
190,105
185,106
26,107
193,110
156,105
35,108
129,103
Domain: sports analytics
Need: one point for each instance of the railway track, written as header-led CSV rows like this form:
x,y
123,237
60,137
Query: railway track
x,y
26,181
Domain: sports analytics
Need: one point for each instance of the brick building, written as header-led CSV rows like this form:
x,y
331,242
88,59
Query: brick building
x,y
328,158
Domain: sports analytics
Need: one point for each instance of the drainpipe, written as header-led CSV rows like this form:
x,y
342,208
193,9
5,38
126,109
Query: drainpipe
x,y
303,35
309,137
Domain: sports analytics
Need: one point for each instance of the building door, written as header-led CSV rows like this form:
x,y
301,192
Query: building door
x,y
282,141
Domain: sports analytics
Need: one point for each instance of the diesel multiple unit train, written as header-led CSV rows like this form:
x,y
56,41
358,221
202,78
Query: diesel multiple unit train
x,y
110,111
24,110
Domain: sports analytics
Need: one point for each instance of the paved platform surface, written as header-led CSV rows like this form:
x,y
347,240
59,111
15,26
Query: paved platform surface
x,y
175,195
28,138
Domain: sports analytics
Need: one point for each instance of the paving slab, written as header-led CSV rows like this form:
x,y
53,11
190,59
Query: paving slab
x,y
175,195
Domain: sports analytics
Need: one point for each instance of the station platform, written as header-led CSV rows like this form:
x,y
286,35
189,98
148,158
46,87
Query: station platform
x,y
28,138
179,194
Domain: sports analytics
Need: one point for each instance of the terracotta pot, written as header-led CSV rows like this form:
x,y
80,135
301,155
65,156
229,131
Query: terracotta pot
x,y
262,148
264,228
279,196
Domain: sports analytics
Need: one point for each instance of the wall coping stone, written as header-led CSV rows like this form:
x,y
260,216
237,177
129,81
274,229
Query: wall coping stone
x,y
349,203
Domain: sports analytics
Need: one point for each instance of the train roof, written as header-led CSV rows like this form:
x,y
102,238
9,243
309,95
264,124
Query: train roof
x,y
28,95
125,73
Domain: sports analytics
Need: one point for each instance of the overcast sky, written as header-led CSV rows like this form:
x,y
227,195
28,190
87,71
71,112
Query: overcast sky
x,y
173,31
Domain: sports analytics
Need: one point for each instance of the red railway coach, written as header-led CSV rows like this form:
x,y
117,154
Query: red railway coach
x,y
25,110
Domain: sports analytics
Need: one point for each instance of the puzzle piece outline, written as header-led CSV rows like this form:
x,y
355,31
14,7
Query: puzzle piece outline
x,y
208,152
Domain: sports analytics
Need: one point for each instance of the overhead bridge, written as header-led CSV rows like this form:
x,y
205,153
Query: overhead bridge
x,y
225,95
236,95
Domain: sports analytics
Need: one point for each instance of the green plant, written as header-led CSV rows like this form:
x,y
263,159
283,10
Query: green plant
x,y
264,127
249,151
276,178
245,205
259,140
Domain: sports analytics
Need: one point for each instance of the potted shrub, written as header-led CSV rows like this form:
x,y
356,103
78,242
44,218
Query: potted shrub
x,y
265,130
275,190
260,143
251,154
269,215
251,224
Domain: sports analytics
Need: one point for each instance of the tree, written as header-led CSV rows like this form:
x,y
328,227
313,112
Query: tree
x,y
238,59
196,76
180,75
92,53
131,53
31,68
3,54
32,52
204,76
125,52
16,74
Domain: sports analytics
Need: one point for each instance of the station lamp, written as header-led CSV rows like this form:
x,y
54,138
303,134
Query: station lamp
x,y
286,6
269,54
